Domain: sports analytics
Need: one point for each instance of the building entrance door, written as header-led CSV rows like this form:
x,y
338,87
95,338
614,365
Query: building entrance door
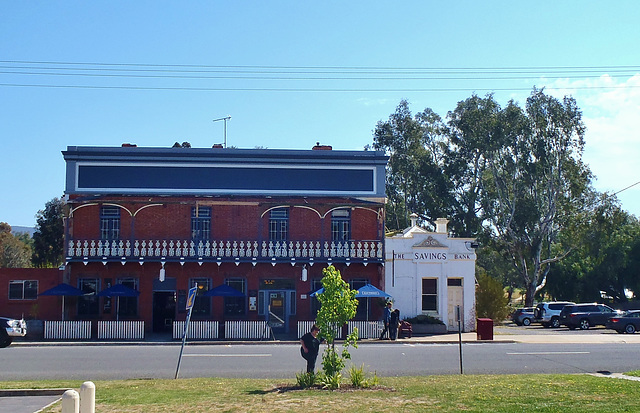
x,y
164,311
454,299
277,315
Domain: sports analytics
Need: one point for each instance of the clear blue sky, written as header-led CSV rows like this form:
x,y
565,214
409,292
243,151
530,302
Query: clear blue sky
x,y
291,74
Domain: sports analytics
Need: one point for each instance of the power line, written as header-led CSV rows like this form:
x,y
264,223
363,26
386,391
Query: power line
x,y
624,189
267,67
333,90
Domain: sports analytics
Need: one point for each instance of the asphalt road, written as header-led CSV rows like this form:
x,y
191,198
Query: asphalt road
x,y
98,362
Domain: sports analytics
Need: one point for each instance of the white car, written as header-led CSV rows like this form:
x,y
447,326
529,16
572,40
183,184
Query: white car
x,y
10,328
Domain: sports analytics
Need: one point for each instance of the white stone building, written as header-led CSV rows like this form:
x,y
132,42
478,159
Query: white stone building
x,y
431,273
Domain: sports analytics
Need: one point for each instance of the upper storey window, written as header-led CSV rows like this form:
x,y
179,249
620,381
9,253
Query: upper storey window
x,y
279,224
109,223
200,223
341,225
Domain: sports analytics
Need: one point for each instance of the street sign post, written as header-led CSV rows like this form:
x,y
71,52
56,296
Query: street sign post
x,y
191,299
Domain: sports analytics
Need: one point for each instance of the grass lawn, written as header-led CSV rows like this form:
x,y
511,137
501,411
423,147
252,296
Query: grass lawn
x,y
468,393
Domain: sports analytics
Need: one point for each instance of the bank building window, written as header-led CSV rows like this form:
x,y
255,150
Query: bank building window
x,y
429,294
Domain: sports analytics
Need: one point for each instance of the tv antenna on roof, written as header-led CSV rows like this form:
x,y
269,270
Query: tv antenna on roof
x,y
225,119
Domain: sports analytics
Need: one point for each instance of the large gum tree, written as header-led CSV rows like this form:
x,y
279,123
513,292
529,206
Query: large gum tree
x,y
536,183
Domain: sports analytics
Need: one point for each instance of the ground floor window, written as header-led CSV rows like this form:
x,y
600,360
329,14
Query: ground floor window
x,y
364,304
88,303
128,306
316,284
202,304
429,294
236,305
23,290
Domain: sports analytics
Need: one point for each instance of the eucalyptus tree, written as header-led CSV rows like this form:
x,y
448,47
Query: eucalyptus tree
x,y
536,183
606,259
415,180
15,250
473,133
48,239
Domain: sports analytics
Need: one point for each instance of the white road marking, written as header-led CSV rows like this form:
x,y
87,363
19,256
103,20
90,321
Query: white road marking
x,y
545,353
226,355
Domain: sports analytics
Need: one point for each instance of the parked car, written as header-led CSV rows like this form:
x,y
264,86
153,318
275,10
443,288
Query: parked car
x,y
586,315
523,316
548,314
10,328
628,322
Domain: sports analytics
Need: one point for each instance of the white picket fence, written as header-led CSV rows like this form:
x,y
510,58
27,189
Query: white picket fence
x,y
121,330
67,330
305,326
366,329
246,329
197,329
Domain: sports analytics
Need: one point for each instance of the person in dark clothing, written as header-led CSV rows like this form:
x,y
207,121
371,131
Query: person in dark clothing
x,y
393,324
386,318
310,345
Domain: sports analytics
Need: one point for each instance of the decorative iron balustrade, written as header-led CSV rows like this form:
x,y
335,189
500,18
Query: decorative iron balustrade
x,y
181,250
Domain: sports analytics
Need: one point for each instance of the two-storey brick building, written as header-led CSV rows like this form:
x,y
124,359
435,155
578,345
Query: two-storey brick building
x,y
265,222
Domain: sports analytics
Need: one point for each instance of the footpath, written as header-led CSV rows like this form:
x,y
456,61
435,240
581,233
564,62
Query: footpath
x,y
33,401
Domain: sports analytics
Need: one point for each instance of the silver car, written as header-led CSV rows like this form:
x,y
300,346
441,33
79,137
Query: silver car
x,y
548,314
10,328
523,316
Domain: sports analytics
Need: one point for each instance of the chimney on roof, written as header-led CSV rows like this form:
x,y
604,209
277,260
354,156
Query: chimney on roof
x,y
319,147
441,225
129,145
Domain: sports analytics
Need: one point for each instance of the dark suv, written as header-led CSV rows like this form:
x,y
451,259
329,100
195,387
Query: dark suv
x,y
586,315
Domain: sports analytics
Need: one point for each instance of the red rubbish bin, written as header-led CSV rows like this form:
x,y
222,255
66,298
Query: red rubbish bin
x,y
484,329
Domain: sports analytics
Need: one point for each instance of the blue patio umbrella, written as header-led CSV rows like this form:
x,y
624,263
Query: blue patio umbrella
x,y
369,291
63,289
223,290
118,290
315,293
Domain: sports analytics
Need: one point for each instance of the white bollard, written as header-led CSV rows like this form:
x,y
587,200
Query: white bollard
x,y
88,397
71,402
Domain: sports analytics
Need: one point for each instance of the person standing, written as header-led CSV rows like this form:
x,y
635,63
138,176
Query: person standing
x,y
386,319
310,346
394,321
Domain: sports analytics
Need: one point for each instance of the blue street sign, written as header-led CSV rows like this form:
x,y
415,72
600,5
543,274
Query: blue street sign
x,y
191,298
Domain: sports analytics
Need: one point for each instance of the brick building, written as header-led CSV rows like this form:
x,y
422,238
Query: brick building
x,y
265,222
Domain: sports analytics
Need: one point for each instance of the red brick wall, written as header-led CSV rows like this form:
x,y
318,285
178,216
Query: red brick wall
x,y
43,307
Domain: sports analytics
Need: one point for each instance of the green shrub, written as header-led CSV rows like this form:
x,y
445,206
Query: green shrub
x,y
424,319
331,382
491,300
358,377
306,380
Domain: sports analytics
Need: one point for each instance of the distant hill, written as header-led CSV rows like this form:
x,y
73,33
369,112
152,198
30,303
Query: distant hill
x,y
17,229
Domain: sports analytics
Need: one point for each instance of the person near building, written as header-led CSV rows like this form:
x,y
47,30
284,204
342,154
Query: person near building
x,y
310,346
386,319
394,322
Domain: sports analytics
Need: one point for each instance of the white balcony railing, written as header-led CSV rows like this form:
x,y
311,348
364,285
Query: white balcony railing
x,y
220,249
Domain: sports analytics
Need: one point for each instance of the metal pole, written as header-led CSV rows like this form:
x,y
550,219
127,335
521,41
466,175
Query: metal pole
x,y
184,339
459,336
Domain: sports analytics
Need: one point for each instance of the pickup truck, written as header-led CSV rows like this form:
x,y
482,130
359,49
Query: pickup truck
x,y
10,328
